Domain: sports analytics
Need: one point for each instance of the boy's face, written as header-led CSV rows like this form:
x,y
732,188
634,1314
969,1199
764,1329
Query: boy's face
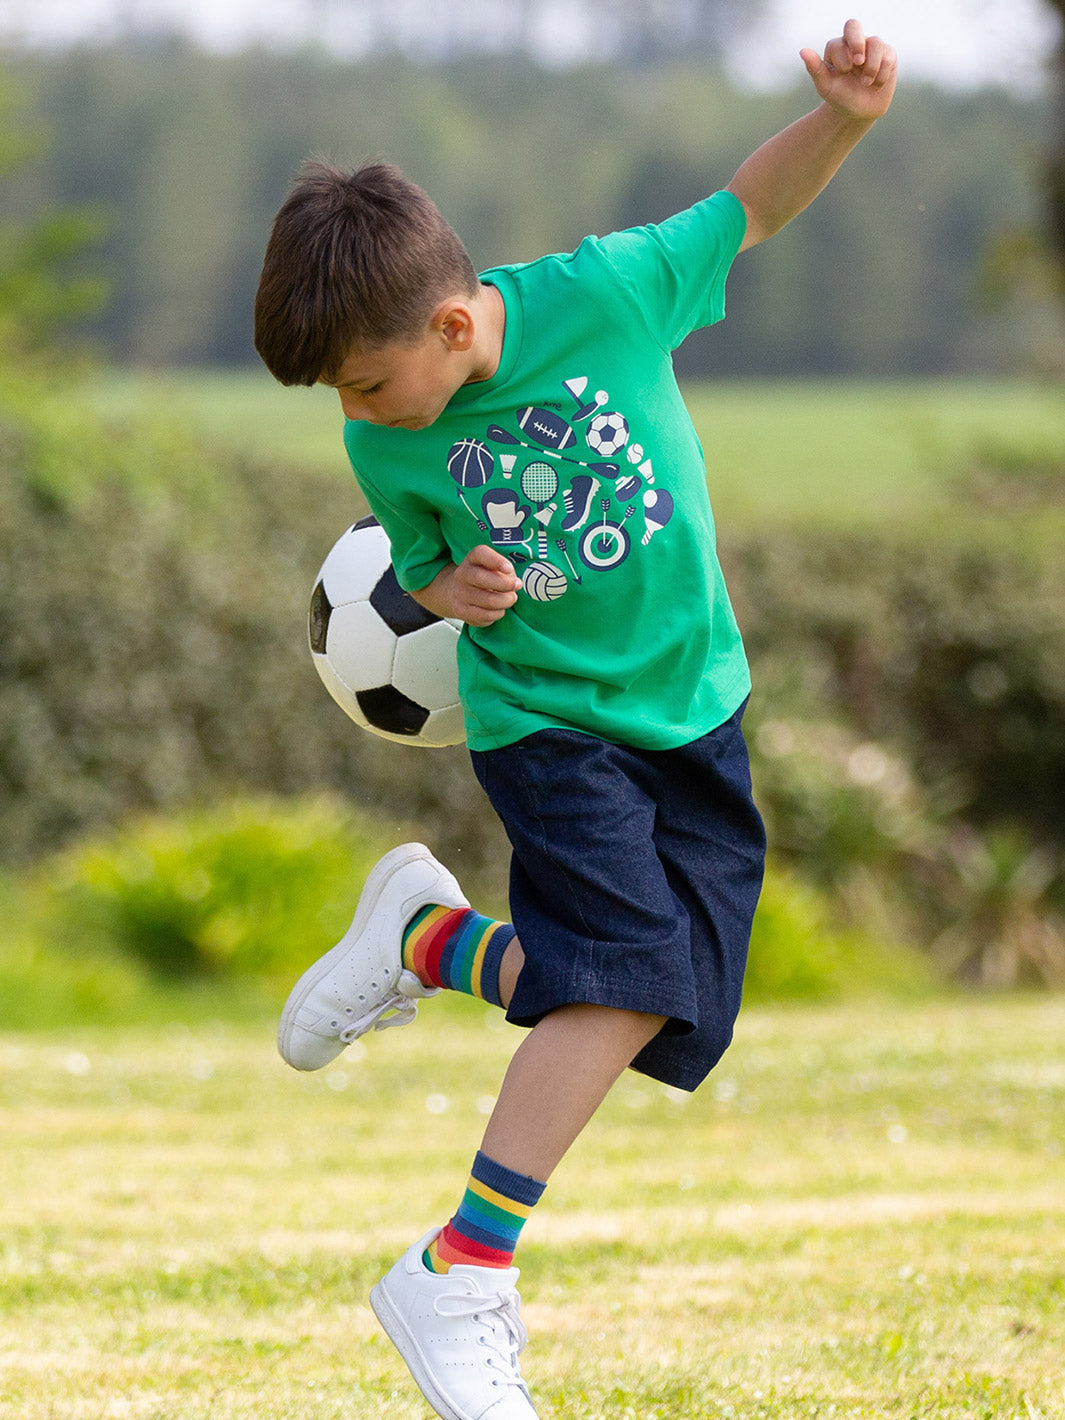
x,y
406,385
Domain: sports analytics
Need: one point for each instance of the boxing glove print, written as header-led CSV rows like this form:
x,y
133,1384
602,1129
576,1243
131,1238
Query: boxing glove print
x,y
505,516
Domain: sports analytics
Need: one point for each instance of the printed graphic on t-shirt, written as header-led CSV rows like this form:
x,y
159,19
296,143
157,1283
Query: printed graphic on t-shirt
x,y
557,514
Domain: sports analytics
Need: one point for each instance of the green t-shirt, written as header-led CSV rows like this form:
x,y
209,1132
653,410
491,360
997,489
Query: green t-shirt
x,y
579,462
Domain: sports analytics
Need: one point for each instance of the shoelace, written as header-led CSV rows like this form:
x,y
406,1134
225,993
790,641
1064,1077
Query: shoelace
x,y
500,1312
402,1008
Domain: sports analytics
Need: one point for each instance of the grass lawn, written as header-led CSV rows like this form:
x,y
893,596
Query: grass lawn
x,y
861,1214
843,451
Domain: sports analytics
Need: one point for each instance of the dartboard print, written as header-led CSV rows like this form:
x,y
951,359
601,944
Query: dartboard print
x,y
603,545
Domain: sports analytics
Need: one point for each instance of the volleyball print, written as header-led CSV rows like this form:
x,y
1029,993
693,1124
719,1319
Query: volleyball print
x,y
543,582
470,463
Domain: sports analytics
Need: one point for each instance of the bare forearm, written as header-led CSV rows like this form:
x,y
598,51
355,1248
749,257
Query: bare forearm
x,y
855,81
785,174
478,590
437,597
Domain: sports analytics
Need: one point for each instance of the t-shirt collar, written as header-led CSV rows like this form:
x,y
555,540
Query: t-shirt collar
x,y
513,331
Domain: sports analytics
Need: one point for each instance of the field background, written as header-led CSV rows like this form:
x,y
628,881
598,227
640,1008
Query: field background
x,y
861,1215
843,452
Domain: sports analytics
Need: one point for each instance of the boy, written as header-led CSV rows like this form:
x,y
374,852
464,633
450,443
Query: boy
x,y
521,438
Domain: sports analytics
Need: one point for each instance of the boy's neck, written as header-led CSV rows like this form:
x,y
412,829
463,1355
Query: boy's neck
x,y
490,322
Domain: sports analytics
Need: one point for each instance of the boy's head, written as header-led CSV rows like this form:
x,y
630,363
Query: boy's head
x,y
355,262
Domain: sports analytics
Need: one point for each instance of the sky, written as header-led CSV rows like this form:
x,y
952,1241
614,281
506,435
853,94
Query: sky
x,y
958,43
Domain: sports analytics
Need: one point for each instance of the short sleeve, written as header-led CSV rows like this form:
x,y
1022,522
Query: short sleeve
x,y
419,551
676,269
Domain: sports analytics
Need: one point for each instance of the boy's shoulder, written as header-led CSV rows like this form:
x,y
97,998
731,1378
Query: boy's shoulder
x,y
691,248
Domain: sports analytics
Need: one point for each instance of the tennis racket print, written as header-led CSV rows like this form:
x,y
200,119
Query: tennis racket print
x,y
539,483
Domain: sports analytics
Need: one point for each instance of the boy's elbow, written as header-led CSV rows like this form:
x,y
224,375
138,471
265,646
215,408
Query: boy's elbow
x,y
757,228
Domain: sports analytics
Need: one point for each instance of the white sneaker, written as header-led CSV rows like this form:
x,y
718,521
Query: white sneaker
x,y
361,984
460,1334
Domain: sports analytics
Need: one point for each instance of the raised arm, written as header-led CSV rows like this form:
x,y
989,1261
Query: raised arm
x,y
856,81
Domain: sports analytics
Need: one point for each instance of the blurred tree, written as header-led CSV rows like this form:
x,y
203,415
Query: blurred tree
x,y
191,154
634,32
40,289
1056,161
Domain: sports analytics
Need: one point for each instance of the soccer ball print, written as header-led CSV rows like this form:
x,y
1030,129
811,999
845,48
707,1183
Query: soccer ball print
x,y
388,663
608,433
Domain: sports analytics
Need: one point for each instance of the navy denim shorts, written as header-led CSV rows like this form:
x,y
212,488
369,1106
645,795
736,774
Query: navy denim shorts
x,y
633,882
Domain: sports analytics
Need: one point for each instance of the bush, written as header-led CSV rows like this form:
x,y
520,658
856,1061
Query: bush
x,y
251,888
947,648
908,734
153,599
153,604
799,953
244,895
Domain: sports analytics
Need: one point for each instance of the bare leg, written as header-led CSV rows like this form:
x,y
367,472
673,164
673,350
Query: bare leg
x,y
509,967
560,1075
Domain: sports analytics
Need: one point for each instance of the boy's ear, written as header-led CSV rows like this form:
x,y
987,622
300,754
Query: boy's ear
x,y
453,320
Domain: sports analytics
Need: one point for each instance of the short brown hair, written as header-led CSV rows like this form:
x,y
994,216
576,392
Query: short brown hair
x,y
355,261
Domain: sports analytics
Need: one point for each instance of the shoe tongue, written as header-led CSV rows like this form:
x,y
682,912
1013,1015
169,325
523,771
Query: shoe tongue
x,y
489,1279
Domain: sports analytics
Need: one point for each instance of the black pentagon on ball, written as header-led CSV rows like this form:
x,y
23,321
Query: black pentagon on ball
x,y
318,619
396,608
390,710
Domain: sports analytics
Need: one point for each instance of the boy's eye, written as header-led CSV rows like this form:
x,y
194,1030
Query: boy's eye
x,y
373,388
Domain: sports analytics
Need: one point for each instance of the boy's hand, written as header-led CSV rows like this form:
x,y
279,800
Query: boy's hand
x,y
857,75
479,590
484,586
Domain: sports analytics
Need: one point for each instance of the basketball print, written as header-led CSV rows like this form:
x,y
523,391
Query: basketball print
x,y
470,463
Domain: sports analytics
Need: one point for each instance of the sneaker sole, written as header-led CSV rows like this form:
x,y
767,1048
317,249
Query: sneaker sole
x,y
405,1343
379,878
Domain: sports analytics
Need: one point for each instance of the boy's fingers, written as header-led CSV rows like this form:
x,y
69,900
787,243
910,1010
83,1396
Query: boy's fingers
x,y
838,56
881,61
482,608
491,560
874,58
486,570
854,39
812,60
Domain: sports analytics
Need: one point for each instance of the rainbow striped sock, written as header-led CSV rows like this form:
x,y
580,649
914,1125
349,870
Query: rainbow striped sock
x,y
484,1232
457,948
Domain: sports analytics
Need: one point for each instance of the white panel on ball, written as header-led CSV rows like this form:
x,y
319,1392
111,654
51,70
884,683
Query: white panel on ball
x,y
425,667
444,727
360,646
351,579
338,690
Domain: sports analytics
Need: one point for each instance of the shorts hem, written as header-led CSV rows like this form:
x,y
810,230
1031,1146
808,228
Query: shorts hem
x,y
547,998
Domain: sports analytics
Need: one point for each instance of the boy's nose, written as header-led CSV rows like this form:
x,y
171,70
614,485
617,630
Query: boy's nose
x,y
351,405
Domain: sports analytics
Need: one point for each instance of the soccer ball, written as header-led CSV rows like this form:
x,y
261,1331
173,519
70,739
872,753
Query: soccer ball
x,y
607,433
386,661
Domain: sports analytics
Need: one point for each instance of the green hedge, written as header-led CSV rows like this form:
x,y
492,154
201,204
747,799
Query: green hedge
x,y
153,602
948,644
910,688
249,888
242,896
